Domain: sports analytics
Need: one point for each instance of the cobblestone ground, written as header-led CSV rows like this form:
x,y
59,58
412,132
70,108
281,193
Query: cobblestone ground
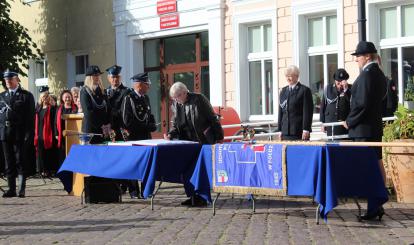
x,y
48,216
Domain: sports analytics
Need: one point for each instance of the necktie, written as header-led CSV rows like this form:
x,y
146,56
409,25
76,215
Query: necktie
x,y
11,93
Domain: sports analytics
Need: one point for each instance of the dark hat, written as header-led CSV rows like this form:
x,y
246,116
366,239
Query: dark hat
x,y
10,74
141,78
114,70
93,70
340,75
364,47
43,89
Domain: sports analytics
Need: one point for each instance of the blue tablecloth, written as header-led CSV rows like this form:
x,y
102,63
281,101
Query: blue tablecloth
x,y
170,163
324,172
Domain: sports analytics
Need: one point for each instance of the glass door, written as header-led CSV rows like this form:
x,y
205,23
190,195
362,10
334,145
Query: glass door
x,y
175,59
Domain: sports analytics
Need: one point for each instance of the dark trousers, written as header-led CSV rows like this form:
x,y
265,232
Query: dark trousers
x,y
13,158
46,158
291,137
378,149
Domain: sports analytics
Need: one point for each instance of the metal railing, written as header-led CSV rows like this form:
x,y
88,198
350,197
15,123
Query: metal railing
x,y
269,124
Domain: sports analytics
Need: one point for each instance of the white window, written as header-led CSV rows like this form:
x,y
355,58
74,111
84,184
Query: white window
x,y
81,63
255,63
391,24
322,52
37,73
260,69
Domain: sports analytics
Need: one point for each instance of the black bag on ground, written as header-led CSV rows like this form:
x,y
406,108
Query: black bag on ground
x,y
101,190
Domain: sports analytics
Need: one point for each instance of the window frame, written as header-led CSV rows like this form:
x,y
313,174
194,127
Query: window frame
x,y
242,57
261,56
81,76
301,12
399,42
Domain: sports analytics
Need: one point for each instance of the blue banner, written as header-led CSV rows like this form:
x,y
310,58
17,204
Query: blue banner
x,y
249,166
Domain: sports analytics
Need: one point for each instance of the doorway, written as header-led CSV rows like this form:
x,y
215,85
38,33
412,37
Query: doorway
x,y
168,60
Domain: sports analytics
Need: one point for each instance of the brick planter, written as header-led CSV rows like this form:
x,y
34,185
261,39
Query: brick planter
x,y
401,163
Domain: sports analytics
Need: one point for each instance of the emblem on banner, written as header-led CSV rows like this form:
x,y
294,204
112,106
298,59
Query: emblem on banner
x,y
222,176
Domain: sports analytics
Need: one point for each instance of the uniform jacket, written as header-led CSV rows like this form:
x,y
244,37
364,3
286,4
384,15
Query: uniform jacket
x,y
296,110
17,115
204,122
95,109
115,98
335,107
137,117
392,99
367,102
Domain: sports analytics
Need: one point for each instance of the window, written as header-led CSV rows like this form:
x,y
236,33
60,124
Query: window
x,y
259,58
396,38
322,54
81,63
40,69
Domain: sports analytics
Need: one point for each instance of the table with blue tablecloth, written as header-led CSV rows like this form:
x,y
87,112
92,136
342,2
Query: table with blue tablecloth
x,y
169,163
323,172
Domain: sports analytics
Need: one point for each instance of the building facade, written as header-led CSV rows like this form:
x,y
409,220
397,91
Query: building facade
x,y
233,51
71,34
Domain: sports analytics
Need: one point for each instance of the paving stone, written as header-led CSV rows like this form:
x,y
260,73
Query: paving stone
x,y
49,216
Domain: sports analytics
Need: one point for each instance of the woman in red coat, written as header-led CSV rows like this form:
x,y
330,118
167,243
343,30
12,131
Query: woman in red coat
x,y
66,106
44,138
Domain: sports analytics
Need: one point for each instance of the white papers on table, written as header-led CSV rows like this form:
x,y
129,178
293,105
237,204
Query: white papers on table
x,y
153,142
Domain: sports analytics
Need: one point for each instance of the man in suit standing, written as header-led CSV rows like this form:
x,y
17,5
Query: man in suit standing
x,y
136,109
115,94
364,121
17,110
296,108
335,104
137,118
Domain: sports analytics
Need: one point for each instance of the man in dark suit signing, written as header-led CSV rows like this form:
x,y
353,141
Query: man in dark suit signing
x,y
364,121
296,108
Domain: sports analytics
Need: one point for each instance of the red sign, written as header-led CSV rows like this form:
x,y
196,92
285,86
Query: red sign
x,y
169,21
166,6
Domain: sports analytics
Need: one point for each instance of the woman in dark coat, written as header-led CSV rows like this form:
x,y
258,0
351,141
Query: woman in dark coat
x,y
44,138
95,107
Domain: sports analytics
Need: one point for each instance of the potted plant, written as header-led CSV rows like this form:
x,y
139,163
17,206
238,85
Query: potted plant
x,y
399,161
409,94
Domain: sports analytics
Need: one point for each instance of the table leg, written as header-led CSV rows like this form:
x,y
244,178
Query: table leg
x,y
359,209
153,195
82,195
253,203
214,203
317,214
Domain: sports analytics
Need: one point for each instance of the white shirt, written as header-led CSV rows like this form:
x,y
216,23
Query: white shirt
x,y
13,91
139,95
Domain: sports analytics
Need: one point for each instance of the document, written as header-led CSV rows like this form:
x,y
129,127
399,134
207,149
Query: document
x,y
153,142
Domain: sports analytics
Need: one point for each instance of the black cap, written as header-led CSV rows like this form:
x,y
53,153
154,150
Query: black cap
x,y
10,74
141,78
365,47
340,75
114,70
43,89
93,70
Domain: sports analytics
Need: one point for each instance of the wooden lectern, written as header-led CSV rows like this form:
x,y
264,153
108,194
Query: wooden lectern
x,y
73,122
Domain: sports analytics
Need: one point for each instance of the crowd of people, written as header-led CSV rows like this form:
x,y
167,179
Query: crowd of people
x,y
122,113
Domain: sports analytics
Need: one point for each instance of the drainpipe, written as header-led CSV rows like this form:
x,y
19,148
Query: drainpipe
x,y
362,21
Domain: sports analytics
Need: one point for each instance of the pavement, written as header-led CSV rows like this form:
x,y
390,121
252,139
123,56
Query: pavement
x,y
49,216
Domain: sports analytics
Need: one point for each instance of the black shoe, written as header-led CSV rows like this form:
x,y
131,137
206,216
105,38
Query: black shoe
x,y
187,202
9,194
373,216
199,202
134,195
21,195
